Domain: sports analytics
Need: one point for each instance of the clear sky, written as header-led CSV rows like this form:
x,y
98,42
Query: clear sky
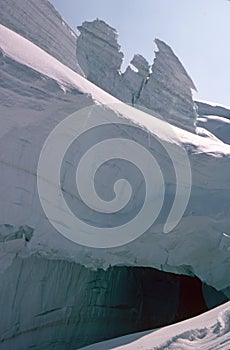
x,y
197,30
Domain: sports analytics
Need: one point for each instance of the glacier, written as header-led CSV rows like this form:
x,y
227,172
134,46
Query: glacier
x,y
208,331
215,119
163,87
57,294
39,22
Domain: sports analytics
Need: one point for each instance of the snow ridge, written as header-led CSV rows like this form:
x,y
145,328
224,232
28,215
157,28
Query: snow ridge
x,y
39,22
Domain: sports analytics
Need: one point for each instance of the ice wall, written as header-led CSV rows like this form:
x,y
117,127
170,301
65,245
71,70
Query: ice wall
x,y
39,22
55,287
163,87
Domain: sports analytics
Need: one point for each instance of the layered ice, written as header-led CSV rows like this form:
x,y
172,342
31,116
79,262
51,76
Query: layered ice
x,y
208,331
37,92
164,87
39,22
182,250
214,118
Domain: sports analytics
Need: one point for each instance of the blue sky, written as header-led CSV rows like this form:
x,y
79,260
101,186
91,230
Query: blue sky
x,y
197,30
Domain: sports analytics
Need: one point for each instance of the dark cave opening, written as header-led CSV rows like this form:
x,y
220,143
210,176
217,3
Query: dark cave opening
x,y
162,298
72,306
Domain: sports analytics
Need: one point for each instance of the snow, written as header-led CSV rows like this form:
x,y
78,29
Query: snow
x,y
209,331
218,126
39,22
187,245
152,86
27,53
213,104
37,92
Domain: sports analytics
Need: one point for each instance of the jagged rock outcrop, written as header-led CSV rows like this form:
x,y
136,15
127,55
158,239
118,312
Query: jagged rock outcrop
x,y
39,22
165,88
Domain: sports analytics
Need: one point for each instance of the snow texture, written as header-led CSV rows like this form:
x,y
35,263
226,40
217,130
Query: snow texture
x,y
39,22
194,247
37,91
215,119
210,331
209,108
165,87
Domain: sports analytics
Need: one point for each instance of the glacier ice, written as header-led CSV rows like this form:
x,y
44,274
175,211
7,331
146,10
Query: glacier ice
x,y
208,331
163,87
37,91
39,22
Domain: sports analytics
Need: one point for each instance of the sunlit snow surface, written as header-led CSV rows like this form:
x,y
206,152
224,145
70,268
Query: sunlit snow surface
x,y
181,251
200,245
210,331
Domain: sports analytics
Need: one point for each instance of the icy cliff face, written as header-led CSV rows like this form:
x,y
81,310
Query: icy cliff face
x,y
168,90
182,250
36,93
208,108
58,304
99,53
208,331
214,118
218,126
39,22
165,89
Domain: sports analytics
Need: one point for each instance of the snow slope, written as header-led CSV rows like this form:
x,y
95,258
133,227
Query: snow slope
x,y
211,108
27,53
214,118
209,331
39,22
218,126
210,190
36,93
